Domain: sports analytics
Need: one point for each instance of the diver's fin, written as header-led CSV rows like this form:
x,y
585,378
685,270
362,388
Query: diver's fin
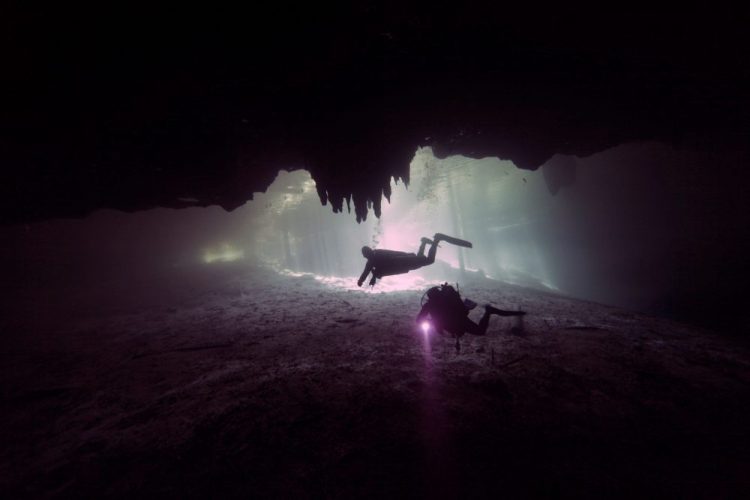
x,y
452,240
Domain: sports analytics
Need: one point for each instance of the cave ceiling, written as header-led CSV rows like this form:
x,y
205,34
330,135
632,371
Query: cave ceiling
x,y
178,106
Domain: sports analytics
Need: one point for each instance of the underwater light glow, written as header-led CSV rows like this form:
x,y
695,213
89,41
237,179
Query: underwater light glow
x,y
425,327
227,253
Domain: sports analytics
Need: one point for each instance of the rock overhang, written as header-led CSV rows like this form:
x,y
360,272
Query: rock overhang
x,y
211,114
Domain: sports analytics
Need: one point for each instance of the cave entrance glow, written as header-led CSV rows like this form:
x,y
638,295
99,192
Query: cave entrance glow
x,y
488,202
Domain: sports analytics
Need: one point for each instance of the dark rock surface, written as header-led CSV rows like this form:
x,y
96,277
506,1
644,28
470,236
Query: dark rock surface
x,y
211,388
171,106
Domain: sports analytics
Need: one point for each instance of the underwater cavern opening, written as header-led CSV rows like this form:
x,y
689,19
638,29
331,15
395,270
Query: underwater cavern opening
x,y
641,226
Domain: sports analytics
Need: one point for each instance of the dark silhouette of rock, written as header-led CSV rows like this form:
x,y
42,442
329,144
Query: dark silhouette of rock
x,y
209,106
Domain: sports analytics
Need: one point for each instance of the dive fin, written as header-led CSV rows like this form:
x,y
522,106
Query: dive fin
x,y
452,240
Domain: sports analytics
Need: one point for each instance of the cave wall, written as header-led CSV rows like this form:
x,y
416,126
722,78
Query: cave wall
x,y
652,228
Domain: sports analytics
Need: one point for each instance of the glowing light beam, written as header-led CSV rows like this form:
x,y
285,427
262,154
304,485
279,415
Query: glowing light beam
x,y
425,327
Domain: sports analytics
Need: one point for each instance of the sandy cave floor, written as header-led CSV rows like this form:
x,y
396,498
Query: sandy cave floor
x,y
253,383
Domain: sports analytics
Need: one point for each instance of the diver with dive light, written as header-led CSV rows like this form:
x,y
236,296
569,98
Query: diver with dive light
x,y
447,311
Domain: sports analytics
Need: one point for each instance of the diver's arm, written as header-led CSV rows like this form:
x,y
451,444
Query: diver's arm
x,y
423,312
368,268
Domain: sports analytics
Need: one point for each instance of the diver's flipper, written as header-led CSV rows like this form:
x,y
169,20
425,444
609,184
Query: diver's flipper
x,y
452,240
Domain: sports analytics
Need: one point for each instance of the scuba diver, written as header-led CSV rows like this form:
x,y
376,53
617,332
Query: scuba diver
x,y
389,262
449,312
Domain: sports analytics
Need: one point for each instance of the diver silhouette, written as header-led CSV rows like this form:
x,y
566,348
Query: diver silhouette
x,y
449,312
389,262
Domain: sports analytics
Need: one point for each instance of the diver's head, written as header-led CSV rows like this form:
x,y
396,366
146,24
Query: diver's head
x,y
366,252
433,292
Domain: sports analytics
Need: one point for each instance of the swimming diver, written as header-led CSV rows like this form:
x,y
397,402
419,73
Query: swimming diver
x,y
389,262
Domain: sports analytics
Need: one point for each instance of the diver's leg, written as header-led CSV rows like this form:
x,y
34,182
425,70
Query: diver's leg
x,y
477,329
494,310
453,241
430,259
431,254
425,241
481,328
